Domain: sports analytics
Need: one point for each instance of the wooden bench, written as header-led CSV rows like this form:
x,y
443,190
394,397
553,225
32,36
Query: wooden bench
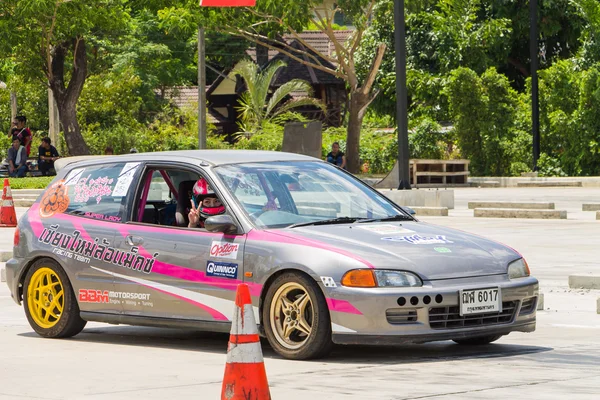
x,y
438,173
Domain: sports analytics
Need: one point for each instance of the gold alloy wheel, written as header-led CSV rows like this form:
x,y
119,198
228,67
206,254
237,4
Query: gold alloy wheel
x,y
291,315
45,298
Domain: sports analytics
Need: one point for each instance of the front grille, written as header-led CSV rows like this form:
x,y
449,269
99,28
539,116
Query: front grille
x,y
450,318
528,306
399,316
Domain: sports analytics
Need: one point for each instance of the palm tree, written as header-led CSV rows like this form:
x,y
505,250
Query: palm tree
x,y
256,107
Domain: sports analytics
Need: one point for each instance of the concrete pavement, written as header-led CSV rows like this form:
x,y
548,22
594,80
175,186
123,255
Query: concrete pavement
x,y
560,360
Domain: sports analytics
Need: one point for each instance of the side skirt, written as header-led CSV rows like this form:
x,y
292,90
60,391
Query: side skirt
x,y
117,319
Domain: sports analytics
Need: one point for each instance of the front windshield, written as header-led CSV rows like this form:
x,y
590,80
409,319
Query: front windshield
x,y
282,194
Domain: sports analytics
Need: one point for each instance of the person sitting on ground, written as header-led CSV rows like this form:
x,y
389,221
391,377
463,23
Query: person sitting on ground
x,y
336,157
47,155
205,203
17,159
108,151
21,132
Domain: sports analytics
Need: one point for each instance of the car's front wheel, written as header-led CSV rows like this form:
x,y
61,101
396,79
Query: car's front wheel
x,y
50,304
296,318
478,341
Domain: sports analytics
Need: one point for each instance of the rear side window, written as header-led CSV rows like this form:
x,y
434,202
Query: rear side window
x,y
100,191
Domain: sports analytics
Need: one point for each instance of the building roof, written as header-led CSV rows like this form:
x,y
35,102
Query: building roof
x,y
316,39
187,96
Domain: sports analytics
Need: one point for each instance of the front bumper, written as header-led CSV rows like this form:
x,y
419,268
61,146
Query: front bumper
x,y
430,313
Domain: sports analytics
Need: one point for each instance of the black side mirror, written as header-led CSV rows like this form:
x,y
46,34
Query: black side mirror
x,y
220,223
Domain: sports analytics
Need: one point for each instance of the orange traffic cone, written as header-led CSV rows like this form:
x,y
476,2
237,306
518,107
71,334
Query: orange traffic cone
x,y
245,376
8,216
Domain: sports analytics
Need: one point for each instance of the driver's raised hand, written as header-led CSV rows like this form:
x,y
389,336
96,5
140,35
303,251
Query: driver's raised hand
x,y
193,216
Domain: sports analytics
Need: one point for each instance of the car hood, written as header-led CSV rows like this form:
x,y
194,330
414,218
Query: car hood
x,y
431,251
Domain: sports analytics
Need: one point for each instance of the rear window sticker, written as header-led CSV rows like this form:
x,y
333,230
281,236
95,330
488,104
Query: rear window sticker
x,y
328,281
386,229
221,269
74,176
418,239
125,179
55,200
96,188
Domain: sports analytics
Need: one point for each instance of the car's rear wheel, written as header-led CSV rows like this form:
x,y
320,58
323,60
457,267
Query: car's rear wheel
x,y
296,318
50,304
478,341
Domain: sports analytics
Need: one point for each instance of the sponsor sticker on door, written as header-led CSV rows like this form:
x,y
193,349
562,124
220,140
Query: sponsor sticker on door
x,y
224,250
221,269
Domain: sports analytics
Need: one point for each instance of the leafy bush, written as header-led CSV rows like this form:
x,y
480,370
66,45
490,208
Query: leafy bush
x,y
548,166
38,182
427,140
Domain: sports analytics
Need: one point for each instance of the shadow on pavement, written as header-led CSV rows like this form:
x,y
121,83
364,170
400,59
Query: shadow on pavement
x,y
216,343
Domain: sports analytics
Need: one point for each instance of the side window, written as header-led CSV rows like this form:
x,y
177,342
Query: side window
x,y
100,191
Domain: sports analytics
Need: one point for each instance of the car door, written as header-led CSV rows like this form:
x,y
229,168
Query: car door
x,y
176,271
82,235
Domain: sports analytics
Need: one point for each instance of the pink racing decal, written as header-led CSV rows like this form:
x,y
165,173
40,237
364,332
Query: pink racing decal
x,y
192,275
214,313
342,306
35,221
288,238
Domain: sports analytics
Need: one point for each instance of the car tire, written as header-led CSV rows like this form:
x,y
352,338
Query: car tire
x,y
478,341
50,304
294,305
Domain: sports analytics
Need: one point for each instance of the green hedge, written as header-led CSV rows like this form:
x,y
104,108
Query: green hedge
x,y
38,182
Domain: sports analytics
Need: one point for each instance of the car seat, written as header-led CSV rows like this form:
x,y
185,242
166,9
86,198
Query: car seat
x,y
183,202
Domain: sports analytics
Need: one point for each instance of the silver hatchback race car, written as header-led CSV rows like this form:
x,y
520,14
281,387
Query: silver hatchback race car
x,y
164,239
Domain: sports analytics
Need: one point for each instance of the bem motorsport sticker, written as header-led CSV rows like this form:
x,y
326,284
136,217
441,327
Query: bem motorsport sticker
x,y
224,250
418,239
221,269
105,296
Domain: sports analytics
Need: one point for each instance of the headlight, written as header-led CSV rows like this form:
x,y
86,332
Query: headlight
x,y
518,269
380,278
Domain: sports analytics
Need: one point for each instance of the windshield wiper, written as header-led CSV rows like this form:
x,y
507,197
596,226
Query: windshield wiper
x,y
340,220
398,217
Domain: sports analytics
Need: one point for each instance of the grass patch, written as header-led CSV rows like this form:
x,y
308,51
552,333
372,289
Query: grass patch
x,y
37,182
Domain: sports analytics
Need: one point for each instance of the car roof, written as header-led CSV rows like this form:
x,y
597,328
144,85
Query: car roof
x,y
212,157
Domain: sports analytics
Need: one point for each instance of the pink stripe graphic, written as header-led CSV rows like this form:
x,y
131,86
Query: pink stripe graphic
x,y
35,221
342,306
288,238
214,313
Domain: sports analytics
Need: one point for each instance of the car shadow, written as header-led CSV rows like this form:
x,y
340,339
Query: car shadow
x,y
216,343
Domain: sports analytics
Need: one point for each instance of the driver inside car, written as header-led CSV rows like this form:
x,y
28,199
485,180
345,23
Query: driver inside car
x,y
205,203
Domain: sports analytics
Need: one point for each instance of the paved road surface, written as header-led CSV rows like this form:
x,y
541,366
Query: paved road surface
x,y
560,360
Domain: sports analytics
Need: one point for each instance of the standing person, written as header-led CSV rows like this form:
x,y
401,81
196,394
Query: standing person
x,y
17,159
47,155
336,157
20,131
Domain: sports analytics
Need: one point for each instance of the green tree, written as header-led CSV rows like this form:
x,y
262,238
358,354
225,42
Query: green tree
x,y
263,25
51,41
256,107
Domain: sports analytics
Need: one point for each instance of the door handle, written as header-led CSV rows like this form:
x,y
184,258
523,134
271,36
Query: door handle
x,y
134,240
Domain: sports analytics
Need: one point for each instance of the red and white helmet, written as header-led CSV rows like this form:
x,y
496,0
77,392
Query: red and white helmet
x,y
201,191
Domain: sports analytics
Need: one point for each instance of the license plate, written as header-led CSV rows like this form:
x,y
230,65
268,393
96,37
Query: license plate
x,y
480,301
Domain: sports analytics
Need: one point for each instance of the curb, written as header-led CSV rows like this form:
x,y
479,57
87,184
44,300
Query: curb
x,y
584,282
23,202
551,184
590,207
512,205
597,214
519,213
431,211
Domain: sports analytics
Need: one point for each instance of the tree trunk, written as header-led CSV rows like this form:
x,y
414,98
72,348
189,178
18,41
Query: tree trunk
x,y
356,111
67,96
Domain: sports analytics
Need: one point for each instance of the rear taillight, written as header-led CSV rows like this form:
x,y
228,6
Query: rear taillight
x,y
16,237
